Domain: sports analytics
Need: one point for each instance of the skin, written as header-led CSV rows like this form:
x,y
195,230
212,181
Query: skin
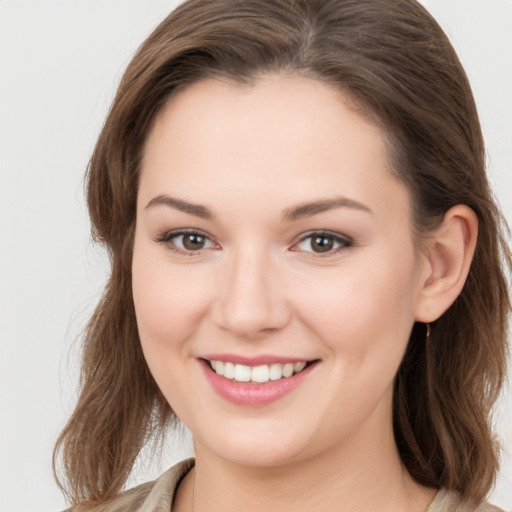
x,y
249,155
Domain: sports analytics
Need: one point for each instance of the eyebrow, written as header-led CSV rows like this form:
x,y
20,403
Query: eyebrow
x,y
291,214
193,209
309,209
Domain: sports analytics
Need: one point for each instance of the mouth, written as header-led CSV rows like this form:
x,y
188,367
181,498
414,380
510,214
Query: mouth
x,y
259,374
255,381
258,382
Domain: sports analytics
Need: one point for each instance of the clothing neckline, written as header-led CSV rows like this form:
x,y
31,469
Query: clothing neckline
x,y
183,468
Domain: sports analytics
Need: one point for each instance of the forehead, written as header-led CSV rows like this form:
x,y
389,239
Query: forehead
x,y
284,108
289,136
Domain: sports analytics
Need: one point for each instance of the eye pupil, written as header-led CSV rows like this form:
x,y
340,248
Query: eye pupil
x,y
193,242
322,244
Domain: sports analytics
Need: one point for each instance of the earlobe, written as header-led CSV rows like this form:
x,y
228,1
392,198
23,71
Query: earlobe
x,y
447,260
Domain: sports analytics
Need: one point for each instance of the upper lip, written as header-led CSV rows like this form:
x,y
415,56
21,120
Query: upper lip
x,y
254,360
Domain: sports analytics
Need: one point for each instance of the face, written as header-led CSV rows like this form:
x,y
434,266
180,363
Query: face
x,y
274,273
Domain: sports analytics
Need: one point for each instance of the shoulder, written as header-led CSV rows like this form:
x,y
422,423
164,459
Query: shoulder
x,y
150,496
450,501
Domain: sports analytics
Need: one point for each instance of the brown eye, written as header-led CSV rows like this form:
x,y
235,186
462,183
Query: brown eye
x,y
186,242
193,241
322,243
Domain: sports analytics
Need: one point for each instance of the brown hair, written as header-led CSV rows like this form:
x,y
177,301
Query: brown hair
x,y
393,60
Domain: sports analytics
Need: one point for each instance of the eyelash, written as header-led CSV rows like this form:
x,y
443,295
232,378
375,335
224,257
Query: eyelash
x,y
342,242
167,239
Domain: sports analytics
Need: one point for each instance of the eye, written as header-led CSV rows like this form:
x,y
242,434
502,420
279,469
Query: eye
x,y
186,241
323,242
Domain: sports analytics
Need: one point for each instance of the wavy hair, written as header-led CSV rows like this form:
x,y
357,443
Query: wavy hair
x,y
395,63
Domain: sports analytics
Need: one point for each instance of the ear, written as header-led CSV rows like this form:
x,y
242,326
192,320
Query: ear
x,y
446,262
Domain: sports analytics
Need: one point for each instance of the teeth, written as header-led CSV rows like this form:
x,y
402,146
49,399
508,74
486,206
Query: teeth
x,y
258,374
288,370
276,371
229,371
219,367
297,368
242,373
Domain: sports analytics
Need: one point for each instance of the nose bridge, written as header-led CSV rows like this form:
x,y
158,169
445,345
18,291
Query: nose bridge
x,y
250,300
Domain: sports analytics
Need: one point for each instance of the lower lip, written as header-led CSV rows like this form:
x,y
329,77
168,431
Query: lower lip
x,y
244,393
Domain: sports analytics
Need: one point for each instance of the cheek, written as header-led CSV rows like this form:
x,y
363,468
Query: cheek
x,y
168,306
364,312
168,300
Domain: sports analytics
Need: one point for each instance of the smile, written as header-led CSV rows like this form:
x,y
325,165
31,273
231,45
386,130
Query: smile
x,y
260,382
256,374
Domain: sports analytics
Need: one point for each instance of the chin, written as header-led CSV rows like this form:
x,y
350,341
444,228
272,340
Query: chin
x,y
253,445
256,456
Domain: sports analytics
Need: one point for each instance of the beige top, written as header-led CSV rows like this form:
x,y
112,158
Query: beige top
x,y
157,496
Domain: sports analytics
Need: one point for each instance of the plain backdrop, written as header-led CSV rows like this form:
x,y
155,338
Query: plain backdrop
x,y
60,61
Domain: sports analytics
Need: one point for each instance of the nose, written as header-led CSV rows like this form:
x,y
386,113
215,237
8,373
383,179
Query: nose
x,y
250,301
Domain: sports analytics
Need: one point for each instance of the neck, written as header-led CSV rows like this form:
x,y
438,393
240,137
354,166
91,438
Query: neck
x,y
363,473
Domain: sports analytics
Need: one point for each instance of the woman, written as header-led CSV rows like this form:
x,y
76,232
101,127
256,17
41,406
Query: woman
x,y
308,269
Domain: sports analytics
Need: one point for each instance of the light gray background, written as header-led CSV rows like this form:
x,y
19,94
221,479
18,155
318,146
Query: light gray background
x,y
60,61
